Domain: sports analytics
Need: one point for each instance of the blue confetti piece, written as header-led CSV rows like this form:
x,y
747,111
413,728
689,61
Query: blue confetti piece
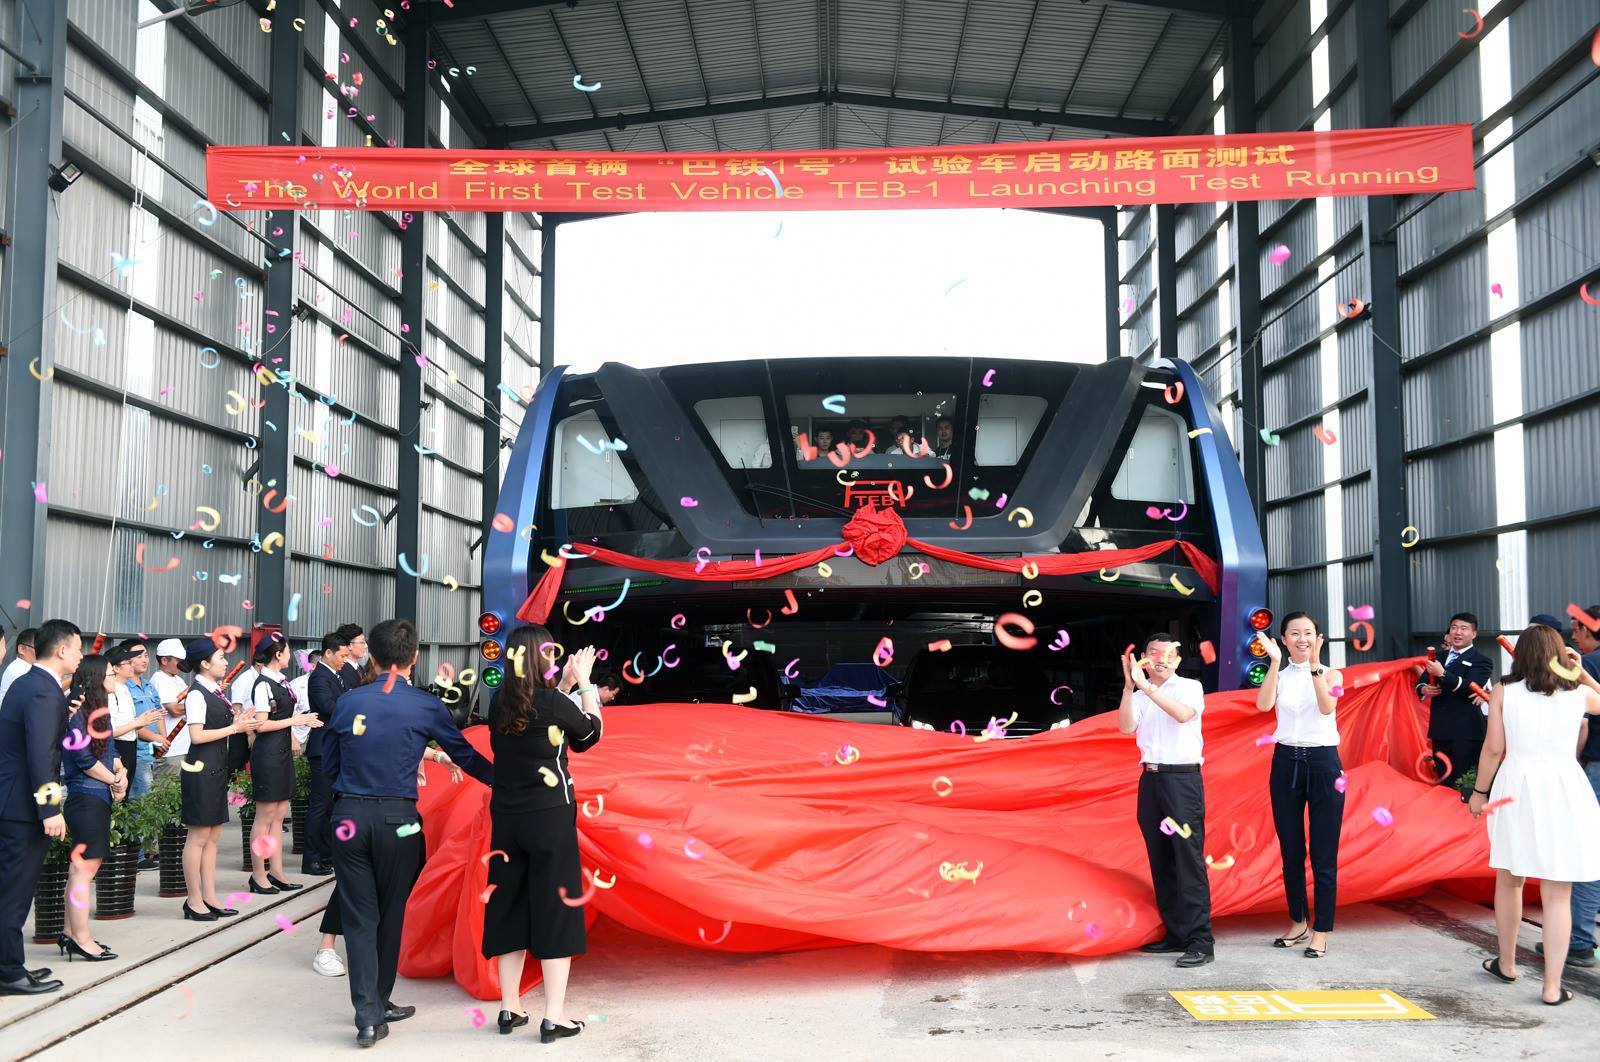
x,y
294,608
577,83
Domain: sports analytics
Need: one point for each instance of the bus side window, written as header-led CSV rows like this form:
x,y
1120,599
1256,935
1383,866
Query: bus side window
x,y
1156,467
739,428
584,478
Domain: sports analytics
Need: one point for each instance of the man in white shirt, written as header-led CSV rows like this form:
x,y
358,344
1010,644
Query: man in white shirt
x,y
1163,711
24,660
302,699
172,690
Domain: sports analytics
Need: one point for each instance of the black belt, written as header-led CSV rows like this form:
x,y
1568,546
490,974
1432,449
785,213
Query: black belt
x,y
1171,768
375,799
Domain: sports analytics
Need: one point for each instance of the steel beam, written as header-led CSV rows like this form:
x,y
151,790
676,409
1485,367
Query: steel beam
x,y
1246,233
435,12
279,331
494,343
1166,282
1392,575
547,293
28,304
1113,282
1097,123
411,414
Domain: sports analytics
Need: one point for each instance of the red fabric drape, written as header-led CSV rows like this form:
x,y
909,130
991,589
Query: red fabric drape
x,y
796,849
540,603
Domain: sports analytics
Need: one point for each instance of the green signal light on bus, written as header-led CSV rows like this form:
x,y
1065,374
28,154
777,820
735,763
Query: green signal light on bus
x,y
1257,674
493,676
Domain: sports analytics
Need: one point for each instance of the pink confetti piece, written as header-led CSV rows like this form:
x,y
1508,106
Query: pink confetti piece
x,y
1383,816
1279,255
39,494
645,840
1341,783
475,1015
332,471
1093,931
1497,289
1127,306
687,502
284,923
1266,739
1336,692
1360,612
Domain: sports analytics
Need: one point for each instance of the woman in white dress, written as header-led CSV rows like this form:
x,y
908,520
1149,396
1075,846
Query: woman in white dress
x,y
1549,827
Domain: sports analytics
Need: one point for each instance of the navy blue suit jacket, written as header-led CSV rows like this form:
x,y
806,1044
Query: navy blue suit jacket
x,y
33,721
323,690
376,740
1453,716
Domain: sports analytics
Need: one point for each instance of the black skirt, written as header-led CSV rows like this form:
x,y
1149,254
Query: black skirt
x,y
272,767
89,824
205,796
525,911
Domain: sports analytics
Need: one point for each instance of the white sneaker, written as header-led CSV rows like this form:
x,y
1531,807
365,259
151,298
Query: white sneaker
x,y
327,963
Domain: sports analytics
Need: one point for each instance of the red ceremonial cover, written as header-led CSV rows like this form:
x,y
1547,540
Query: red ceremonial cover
x,y
749,831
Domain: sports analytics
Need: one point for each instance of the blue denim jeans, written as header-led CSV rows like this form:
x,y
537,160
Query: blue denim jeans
x,y
140,783
1586,894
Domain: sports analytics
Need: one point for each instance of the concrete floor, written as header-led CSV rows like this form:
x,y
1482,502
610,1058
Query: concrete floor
x,y
246,992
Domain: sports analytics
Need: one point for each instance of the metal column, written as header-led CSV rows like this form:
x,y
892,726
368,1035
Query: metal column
x,y
1392,574
28,302
494,335
278,334
1166,283
1113,288
1246,229
547,294
409,419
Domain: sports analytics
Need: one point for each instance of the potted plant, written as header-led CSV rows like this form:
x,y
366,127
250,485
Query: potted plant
x,y
132,827
50,895
167,796
300,804
1467,783
242,795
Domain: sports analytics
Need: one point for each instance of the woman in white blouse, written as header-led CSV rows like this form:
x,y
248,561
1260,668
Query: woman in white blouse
x,y
1305,774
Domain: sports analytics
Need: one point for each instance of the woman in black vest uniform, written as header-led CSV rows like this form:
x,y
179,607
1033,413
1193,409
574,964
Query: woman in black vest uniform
x,y
534,822
210,721
95,778
272,764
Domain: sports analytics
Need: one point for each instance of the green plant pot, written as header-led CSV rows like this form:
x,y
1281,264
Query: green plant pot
x,y
50,902
115,884
171,859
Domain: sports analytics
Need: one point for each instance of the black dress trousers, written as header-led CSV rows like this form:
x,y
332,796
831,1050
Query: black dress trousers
x,y
22,849
1177,863
377,868
319,835
525,910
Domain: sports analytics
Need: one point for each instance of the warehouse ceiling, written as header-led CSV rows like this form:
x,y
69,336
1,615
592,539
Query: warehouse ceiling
x,y
763,75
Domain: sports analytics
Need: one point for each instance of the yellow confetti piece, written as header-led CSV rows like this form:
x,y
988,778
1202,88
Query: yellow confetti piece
x,y
745,698
232,409
1116,573
1023,516
358,725
824,570
33,367
208,511
943,786
451,582
1571,674
549,777
1032,599
1220,864
272,542
50,793
595,877
1199,432
600,806
959,872
194,612
1416,536
1030,570
554,734
1177,584
1184,831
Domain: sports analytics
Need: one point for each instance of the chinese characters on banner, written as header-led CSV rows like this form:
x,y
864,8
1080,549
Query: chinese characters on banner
x,y
1179,169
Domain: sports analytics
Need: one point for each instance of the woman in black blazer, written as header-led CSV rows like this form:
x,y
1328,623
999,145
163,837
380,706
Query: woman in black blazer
x,y
534,820
272,763
95,778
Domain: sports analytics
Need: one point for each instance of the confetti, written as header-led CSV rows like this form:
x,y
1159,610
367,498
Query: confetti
x,y
358,725
1326,437
1477,29
1495,805
847,755
264,846
953,872
1169,827
1057,690
687,852
1208,652
1199,432
503,523
1360,612
1416,536
50,793
773,177
1173,394
727,927
408,829
1022,642
1266,739
745,698
1342,782
1127,306
75,741
1022,515
940,646
1177,584
577,83
345,830
1583,289
1571,674
1497,289
40,495
688,502
72,895
1336,692
1279,255
988,378
1352,309
834,403
943,787
1382,816
476,1016
1269,438
1222,864
284,923
1356,643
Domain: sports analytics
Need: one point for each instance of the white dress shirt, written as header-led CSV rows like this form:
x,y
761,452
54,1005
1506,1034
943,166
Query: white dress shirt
x,y
123,711
194,705
302,703
14,670
242,692
1300,721
172,690
1162,739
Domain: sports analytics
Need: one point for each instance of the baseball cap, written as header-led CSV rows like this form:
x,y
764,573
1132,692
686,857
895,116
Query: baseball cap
x,y
171,647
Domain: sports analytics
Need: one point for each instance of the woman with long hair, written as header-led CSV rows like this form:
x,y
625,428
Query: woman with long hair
x,y
272,763
1547,823
1305,775
533,904
95,778
210,723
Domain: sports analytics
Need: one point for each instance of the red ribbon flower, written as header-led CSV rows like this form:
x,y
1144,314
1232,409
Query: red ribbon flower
x,y
875,534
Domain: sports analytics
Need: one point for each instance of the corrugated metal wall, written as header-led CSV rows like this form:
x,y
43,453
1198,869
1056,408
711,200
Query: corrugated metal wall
x,y
1500,376
154,397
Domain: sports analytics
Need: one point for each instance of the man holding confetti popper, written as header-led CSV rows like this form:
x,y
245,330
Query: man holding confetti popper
x,y
1163,710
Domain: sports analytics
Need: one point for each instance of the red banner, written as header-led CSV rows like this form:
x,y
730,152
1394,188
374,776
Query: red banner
x,y
1174,169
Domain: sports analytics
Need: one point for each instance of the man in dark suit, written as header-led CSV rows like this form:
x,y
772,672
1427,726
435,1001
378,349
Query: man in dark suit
x,y
33,719
371,750
1456,725
324,687
355,654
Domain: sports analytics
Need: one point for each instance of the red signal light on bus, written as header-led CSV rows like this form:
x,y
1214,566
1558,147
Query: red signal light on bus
x,y
489,623
1260,619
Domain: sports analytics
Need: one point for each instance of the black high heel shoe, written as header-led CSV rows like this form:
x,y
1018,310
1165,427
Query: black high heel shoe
x,y
282,886
550,1032
509,1021
197,916
220,912
260,890
72,949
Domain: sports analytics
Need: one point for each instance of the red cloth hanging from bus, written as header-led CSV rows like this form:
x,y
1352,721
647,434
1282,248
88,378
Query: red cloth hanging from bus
x,y
540,603
752,831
